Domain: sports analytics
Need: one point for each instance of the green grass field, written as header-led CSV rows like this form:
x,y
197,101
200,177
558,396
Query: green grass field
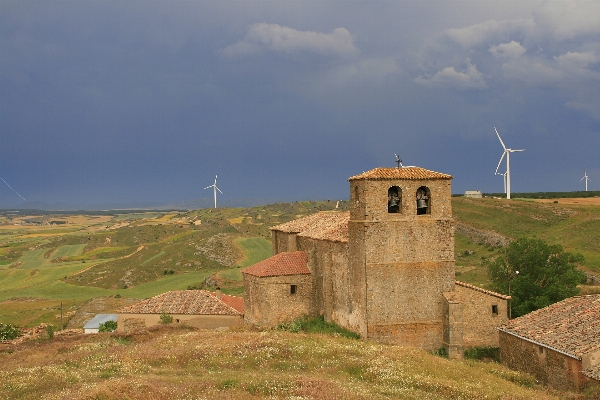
x,y
575,227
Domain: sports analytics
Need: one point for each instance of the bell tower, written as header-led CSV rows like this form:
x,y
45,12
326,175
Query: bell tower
x,y
401,255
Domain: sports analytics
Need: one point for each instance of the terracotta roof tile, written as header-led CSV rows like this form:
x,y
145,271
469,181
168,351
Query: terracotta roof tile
x,y
571,326
324,225
193,302
292,263
477,288
400,173
235,302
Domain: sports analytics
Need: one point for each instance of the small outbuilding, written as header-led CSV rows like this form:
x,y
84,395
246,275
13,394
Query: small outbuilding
x,y
94,324
197,308
278,289
558,344
473,194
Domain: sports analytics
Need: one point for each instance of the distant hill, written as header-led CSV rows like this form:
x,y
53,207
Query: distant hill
x,y
136,206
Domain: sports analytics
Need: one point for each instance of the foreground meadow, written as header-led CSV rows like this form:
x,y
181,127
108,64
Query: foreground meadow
x,y
183,363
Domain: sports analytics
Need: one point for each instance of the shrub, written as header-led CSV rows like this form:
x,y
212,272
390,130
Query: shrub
x,y
108,326
317,325
480,353
9,332
165,319
50,331
441,352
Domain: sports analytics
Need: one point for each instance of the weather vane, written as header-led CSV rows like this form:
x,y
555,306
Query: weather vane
x,y
398,161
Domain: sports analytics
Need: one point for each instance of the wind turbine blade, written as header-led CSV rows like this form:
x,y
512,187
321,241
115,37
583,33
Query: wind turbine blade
x,y
218,189
208,187
512,151
501,142
500,162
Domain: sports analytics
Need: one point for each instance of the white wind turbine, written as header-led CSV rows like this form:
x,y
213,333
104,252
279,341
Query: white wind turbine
x,y
504,176
507,154
215,188
587,178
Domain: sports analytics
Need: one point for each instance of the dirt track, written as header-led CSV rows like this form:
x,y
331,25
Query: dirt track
x,y
593,201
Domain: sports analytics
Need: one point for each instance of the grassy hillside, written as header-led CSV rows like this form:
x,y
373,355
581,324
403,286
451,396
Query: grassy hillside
x,y
135,255
140,255
575,227
177,363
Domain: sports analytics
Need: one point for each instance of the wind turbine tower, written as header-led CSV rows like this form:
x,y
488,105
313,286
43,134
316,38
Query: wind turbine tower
x,y
215,188
507,154
504,178
586,177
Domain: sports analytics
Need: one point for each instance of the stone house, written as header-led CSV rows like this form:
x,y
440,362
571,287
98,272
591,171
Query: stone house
x,y
384,270
197,308
558,344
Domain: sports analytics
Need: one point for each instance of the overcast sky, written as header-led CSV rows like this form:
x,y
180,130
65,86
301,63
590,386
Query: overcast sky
x,y
124,101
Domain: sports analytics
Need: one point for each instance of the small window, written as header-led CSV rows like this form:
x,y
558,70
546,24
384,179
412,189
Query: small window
x,y
541,350
177,321
394,199
495,309
292,289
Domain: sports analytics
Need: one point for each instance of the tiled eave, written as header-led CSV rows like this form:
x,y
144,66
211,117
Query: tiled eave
x,y
571,326
477,288
538,343
411,173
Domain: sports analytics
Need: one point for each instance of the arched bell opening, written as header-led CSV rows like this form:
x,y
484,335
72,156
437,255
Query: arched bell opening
x,y
394,200
423,197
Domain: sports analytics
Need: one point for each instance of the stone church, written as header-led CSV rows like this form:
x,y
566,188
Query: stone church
x,y
384,270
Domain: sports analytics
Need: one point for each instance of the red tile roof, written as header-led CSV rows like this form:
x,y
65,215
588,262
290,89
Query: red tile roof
x,y
193,302
292,263
412,173
324,225
571,326
477,288
234,302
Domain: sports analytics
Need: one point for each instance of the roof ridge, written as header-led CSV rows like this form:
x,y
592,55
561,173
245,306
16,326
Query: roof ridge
x,y
482,290
400,173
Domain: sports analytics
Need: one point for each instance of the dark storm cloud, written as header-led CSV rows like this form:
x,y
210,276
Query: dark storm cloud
x,y
124,101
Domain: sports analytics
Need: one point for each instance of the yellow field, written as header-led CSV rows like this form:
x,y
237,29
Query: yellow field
x,y
593,201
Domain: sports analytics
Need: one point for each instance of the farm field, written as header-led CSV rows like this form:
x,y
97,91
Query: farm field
x,y
140,255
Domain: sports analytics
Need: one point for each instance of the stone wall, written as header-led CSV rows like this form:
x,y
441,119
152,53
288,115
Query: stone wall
x,y
406,260
268,301
453,325
283,242
328,262
129,322
479,319
547,366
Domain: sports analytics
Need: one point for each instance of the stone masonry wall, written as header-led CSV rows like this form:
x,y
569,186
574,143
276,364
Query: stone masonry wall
x,y
268,300
328,262
548,366
283,242
479,322
137,321
407,260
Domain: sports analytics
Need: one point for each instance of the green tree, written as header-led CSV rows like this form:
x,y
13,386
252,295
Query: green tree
x,y
108,326
165,319
9,332
535,274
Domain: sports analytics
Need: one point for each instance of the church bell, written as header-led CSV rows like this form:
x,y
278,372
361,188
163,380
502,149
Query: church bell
x,y
421,203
